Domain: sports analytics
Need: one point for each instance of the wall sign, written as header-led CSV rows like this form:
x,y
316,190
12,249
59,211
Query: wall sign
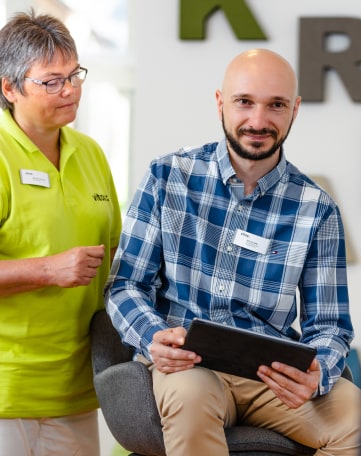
x,y
315,59
195,13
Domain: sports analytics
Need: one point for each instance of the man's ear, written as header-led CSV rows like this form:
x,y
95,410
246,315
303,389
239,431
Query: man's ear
x,y
219,99
8,90
296,107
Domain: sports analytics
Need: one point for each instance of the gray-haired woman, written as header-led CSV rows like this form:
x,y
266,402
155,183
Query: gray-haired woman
x,y
57,240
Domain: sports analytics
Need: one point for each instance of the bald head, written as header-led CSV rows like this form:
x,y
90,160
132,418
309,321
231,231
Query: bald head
x,y
266,68
258,104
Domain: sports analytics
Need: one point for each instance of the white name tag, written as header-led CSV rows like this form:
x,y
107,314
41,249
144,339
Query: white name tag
x,y
33,177
251,241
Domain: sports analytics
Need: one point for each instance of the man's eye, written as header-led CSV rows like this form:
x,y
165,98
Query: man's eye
x,y
243,101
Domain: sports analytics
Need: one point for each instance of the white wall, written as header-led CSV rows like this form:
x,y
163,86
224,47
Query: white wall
x,y
175,105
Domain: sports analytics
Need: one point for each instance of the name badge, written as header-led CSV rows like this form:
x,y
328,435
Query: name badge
x,y
33,177
251,242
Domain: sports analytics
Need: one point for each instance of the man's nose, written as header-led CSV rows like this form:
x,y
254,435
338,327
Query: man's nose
x,y
258,118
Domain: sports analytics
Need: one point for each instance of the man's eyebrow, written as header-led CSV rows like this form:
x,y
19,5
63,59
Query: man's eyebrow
x,y
242,95
271,98
280,98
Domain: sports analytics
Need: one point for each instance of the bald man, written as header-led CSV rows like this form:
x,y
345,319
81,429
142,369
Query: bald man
x,y
181,257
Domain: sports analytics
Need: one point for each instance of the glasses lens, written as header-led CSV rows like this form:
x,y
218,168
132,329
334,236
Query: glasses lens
x,y
78,78
54,85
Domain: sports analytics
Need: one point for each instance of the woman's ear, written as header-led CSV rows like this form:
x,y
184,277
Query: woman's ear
x,y
8,90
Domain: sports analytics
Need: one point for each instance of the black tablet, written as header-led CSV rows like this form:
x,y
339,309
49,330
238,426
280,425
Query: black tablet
x,y
241,351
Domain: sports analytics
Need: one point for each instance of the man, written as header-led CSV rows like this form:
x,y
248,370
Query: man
x,y
181,257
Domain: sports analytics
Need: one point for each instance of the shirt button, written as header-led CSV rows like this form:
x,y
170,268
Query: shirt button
x,y
221,288
240,208
229,248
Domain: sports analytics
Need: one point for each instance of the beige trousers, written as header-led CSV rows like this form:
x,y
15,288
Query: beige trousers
x,y
75,435
195,406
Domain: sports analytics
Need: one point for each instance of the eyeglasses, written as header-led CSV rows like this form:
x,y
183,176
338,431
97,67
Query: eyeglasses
x,y
55,85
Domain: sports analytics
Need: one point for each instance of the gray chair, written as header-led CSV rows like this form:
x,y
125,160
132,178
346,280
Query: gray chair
x,y
124,390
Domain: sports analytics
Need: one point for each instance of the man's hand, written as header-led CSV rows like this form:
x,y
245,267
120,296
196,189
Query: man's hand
x,y
168,356
292,386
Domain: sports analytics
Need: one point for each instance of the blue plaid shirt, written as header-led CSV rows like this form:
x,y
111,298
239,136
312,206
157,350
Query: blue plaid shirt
x,y
178,258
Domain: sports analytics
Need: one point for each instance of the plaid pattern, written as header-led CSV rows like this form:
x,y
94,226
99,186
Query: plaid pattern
x,y
178,260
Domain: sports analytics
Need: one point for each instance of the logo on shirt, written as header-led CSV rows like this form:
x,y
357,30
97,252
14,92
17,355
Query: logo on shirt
x,y
99,197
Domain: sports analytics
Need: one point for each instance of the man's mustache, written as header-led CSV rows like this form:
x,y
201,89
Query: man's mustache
x,y
263,131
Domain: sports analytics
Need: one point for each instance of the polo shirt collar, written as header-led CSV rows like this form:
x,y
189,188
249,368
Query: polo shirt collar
x,y
9,124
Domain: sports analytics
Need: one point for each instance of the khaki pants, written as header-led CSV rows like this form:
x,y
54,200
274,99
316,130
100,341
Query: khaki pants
x,y
75,435
195,406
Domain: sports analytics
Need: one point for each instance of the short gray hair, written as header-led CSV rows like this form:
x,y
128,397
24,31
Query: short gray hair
x,y
28,38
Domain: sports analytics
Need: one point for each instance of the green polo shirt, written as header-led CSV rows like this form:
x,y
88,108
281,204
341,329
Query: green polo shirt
x,y
45,365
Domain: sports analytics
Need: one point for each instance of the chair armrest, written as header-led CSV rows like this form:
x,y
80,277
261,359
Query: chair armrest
x,y
125,395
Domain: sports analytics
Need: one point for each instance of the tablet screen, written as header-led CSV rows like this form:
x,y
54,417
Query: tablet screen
x,y
240,352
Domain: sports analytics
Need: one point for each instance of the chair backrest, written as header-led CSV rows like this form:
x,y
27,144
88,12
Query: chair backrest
x,y
107,349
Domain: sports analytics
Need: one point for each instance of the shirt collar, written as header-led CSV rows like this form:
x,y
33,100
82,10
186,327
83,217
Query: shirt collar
x,y
8,123
227,171
225,166
270,179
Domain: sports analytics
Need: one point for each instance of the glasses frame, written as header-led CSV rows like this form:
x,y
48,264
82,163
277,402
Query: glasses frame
x,y
62,80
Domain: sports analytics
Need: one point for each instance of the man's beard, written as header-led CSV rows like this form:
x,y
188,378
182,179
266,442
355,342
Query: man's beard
x,y
244,153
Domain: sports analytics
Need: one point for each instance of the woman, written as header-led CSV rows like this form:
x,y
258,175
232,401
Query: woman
x,y
59,228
